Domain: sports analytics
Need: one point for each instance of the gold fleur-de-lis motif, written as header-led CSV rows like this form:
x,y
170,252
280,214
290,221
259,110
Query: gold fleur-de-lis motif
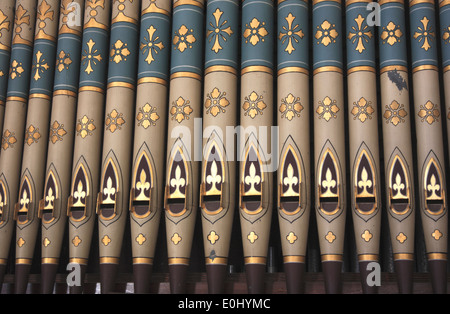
x,y
64,61
425,34
142,185
181,109
216,102
395,113
50,198
114,121
255,32
290,107
213,237
57,132
119,51
218,31
183,38
429,112
40,65
446,35
398,186
93,4
433,187
178,181
365,182
391,33
252,179
254,105
85,126
213,178
4,23
326,33
147,116
290,34
252,237
8,139
79,194
32,135
44,13
362,110
360,34
90,57
21,17
151,45
291,237
25,200
109,191
329,182
290,180
16,69
327,109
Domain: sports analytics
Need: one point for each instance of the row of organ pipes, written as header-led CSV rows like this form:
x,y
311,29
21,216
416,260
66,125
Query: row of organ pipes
x,y
118,88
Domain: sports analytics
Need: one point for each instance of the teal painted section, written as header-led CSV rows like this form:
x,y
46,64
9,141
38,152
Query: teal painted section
x,y
5,56
360,36
423,32
257,33
327,35
123,56
43,69
67,69
222,33
154,46
21,58
444,18
187,39
392,35
293,34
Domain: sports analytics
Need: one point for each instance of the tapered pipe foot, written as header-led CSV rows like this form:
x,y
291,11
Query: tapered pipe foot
x,y
108,274
255,274
404,271
295,277
333,277
141,277
216,275
438,273
48,277
22,271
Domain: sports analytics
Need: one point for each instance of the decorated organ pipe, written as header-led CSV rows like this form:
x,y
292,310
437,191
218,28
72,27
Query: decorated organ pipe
x,y
444,35
6,30
182,166
430,143
147,186
218,175
113,197
293,177
364,156
85,178
398,155
53,205
329,138
13,138
255,151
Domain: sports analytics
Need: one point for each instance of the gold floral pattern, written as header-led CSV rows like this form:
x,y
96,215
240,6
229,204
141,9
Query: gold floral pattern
x,y
4,23
327,109
63,62
40,66
254,105
291,33
114,121
85,126
32,135
362,110
360,34
326,33
90,57
391,33
290,107
218,31
429,112
22,17
183,38
216,102
425,34
151,45
181,110
446,35
16,69
395,113
255,32
119,52
57,132
44,13
147,116
8,139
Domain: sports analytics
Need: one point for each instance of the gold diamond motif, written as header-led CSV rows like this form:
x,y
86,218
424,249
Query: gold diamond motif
x,y
330,237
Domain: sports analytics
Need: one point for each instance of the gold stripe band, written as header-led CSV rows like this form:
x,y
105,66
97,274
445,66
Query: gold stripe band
x,y
221,68
327,69
444,3
414,2
91,89
178,261
361,69
152,80
255,260
331,258
26,261
437,256
381,2
77,260
425,67
191,2
368,257
3,261
293,70
403,256
42,96
294,259
216,261
2,103
318,1
64,93
143,260
109,260
446,69
15,98
348,2
49,260
186,75
256,68
393,67
121,84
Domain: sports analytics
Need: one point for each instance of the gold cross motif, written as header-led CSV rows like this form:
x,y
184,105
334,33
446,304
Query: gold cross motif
x,y
401,237
330,237
140,239
366,235
291,237
106,240
176,238
20,242
213,237
252,237
437,234
76,241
